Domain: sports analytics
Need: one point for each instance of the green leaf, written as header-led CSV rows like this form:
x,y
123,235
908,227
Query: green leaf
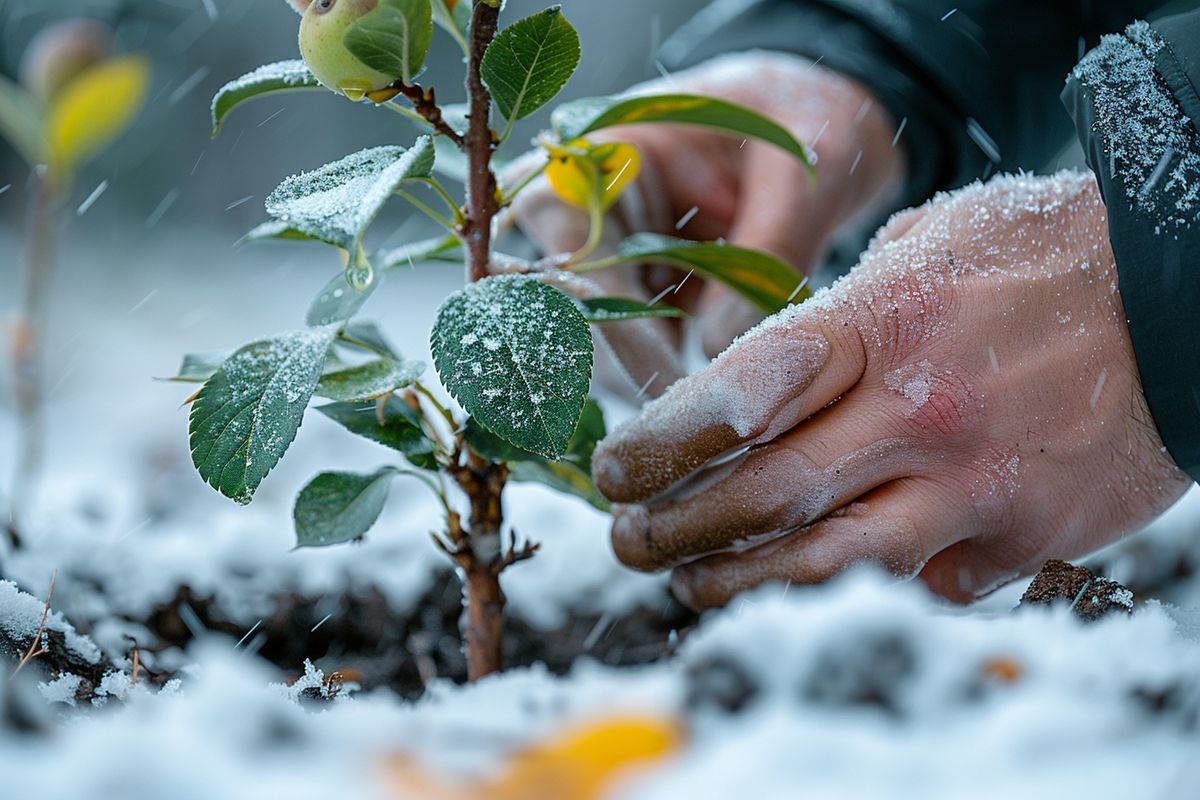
x,y
21,121
246,416
614,309
339,300
370,380
338,507
571,474
337,202
517,355
456,21
439,248
392,424
530,61
199,367
274,229
761,278
282,76
581,117
366,333
394,38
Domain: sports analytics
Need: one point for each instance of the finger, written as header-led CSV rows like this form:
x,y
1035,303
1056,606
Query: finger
x,y
778,375
899,527
971,570
844,452
897,227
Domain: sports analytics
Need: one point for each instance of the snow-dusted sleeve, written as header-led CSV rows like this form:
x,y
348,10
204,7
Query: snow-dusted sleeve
x,y
1136,109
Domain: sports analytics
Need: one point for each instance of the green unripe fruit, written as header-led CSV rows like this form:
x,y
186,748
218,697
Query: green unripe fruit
x,y
321,31
60,52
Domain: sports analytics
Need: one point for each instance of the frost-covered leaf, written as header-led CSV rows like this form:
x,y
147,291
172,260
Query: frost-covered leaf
x,y
614,309
282,76
94,108
439,248
393,38
274,229
530,61
21,121
581,117
199,367
392,424
761,278
337,202
370,380
338,507
339,300
517,355
246,416
571,474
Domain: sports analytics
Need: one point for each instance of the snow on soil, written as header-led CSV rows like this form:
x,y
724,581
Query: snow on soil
x,y
861,688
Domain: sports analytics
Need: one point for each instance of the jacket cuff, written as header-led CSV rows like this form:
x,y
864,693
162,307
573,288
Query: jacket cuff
x,y
1145,152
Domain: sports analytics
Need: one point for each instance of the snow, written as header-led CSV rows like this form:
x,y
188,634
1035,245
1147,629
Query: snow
x,y
21,615
1151,144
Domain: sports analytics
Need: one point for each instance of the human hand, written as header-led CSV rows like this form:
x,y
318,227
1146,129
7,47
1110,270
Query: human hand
x,y
748,192
963,405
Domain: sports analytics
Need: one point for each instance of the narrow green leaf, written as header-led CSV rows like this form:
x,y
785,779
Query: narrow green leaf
x,y
395,425
517,355
581,117
456,21
339,507
366,333
246,416
614,309
761,278
274,229
282,76
339,300
530,61
199,367
370,380
394,38
21,122
337,202
439,248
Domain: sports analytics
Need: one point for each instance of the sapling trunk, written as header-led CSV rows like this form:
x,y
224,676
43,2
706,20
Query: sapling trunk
x,y
481,554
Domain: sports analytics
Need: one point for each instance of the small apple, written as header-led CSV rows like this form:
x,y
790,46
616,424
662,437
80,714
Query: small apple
x,y
321,31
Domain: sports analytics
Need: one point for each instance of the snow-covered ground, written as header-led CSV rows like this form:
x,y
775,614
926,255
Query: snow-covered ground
x,y
860,689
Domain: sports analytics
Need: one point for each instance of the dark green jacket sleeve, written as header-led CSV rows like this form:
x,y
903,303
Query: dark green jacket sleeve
x,y
974,82
1136,104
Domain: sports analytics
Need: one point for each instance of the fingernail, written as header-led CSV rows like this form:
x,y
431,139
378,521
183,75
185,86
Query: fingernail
x,y
607,471
682,588
631,535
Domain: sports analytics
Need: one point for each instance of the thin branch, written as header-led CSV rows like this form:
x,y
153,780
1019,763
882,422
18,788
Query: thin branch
x,y
424,102
35,648
421,206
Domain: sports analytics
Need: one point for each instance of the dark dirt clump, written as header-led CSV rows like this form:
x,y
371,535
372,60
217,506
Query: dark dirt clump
x,y
1089,596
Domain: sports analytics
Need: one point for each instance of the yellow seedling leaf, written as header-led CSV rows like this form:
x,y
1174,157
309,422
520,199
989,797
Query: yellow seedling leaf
x,y
582,763
94,108
580,172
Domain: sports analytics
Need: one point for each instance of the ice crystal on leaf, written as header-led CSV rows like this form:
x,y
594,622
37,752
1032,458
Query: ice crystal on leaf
x,y
518,355
337,202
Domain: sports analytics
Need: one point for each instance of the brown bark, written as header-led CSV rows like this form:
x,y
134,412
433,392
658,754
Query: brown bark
x,y
481,142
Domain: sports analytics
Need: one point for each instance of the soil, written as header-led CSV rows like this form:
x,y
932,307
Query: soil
x,y
1089,596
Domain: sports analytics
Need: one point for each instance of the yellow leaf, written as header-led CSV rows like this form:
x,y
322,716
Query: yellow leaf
x,y
581,763
93,109
581,173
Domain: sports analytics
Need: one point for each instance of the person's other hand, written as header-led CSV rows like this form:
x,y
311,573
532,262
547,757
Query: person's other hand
x,y
750,193
963,405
